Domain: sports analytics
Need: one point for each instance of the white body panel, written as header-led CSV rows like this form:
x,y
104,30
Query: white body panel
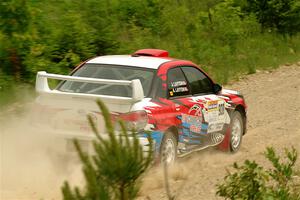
x,y
43,87
66,112
127,60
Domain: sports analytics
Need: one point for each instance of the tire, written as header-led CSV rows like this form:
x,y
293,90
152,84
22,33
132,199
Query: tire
x,y
236,133
168,149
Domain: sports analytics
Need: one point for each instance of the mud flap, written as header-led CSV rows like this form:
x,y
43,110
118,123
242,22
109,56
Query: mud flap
x,y
225,144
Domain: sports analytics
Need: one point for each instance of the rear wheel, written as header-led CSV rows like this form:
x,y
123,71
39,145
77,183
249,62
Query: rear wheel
x,y
168,149
236,134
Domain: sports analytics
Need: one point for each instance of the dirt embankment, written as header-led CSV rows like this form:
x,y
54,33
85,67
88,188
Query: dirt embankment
x,y
273,99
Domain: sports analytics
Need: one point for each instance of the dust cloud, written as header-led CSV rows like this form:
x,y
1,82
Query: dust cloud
x,y
31,165
199,163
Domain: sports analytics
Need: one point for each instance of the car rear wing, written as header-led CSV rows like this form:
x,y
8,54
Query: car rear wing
x,y
43,87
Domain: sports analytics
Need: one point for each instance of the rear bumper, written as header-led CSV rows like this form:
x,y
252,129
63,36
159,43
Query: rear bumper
x,y
63,143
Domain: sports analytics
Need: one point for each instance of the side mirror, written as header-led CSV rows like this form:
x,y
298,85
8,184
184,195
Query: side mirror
x,y
217,88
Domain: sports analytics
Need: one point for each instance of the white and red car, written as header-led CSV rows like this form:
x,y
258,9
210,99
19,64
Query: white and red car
x,y
175,100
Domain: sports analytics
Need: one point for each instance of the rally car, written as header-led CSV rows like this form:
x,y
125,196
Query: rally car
x,y
175,100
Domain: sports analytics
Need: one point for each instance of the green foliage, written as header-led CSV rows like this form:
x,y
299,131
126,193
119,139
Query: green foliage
x,y
227,37
252,181
14,24
282,174
16,18
279,15
114,171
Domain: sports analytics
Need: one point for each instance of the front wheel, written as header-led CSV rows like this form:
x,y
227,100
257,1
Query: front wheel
x,y
236,134
168,149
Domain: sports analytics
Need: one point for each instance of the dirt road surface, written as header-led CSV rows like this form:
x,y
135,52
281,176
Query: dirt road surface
x,y
273,99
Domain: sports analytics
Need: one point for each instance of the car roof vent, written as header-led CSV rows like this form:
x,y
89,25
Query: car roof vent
x,y
151,52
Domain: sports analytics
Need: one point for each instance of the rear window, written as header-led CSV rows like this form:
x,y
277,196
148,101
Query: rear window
x,y
114,72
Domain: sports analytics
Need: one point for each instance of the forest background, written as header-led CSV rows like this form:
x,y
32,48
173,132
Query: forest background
x,y
227,38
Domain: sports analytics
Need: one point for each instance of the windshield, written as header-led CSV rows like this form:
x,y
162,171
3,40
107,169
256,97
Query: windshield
x,y
114,72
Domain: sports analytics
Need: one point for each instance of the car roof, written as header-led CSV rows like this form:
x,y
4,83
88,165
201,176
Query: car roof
x,y
129,60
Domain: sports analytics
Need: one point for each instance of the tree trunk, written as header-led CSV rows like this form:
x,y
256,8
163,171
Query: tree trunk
x,y
15,63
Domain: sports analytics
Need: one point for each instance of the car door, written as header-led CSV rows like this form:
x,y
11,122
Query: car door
x,y
200,111
189,119
214,112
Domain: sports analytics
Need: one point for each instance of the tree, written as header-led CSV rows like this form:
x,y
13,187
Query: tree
x,y
252,181
279,15
114,171
14,23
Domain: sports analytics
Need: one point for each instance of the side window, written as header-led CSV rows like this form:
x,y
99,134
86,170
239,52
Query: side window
x,y
177,84
160,91
199,82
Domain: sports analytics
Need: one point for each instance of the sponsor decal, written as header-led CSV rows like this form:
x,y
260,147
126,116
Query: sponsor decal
x,y
211,116
178,83
221,108
180,89
174,91
215,111
212,106
214,127
205,116
192,122
195,128
197,108
157,137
